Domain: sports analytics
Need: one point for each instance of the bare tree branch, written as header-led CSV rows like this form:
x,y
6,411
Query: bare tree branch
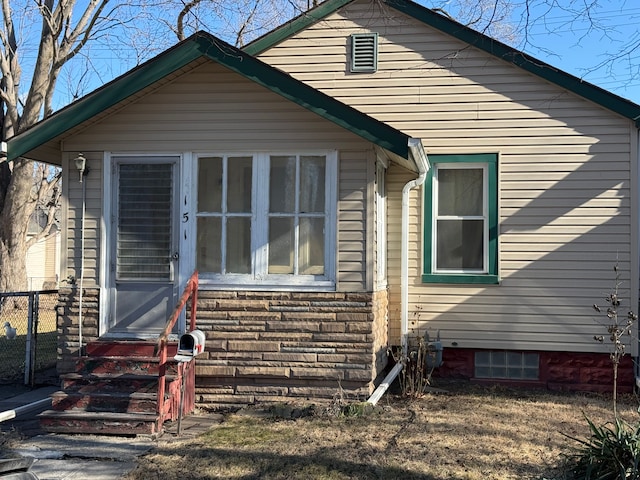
x,y
181,16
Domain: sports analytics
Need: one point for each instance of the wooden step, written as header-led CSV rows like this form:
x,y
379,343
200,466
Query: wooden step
x,y
114,390
123,365
99,401
128,348
98,422
117,364
124,382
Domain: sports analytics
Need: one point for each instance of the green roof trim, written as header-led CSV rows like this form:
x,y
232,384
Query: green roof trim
x,y
591,92
101,99
207,45
293,26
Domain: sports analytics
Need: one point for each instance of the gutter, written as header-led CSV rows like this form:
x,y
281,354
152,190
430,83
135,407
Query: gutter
x,y
416,151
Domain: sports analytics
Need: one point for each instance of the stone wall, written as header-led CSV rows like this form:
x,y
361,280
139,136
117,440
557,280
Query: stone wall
x,y
559,371
277,346
68,310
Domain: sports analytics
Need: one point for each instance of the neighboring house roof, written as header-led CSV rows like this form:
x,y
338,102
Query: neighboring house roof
x,y
203,44
467,35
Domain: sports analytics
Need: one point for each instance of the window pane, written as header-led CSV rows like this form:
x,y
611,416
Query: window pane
x,y
209,258
483,358
239,184
145,197
239,245
281,241
460,191
210,184
282,185
530,373
514,372
460,244
499,372
514,359
311,249
312,184
498,359
531,360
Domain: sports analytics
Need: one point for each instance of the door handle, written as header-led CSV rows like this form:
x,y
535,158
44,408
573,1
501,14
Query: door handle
x,y
175,256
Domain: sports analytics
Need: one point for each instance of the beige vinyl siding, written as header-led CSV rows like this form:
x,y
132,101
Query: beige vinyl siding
x,y
213,110
72,219
42,263
355,227
567,208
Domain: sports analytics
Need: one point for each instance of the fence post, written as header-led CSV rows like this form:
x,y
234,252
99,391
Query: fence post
x,y
27,353
34,336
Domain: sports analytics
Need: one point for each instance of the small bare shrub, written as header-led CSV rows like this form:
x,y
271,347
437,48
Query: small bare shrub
x,y
612,451
416,369
617,327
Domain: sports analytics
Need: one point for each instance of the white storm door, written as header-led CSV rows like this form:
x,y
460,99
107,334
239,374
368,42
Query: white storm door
x,y
144,244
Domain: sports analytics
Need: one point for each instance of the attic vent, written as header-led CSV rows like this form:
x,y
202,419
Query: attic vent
x,y
364,52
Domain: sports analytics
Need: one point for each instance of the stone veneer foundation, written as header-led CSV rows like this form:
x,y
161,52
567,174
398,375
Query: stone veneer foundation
x,y
273,346
559,371
68,332
266,346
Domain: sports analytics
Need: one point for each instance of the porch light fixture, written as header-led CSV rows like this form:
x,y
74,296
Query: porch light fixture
x,y
81,165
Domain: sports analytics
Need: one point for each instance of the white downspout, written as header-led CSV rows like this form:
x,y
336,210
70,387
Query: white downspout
x,y
82,227
420,156
417,152
82,169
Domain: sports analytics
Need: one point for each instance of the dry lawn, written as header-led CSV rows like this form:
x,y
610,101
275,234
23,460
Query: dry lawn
x,y
470,432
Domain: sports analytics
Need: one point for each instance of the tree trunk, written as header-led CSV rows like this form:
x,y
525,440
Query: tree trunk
x,y
19,205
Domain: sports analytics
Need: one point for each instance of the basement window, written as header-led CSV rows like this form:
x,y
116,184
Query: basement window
x,y
507,365
364,52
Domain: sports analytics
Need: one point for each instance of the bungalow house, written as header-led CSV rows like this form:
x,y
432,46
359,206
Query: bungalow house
x,y
366,173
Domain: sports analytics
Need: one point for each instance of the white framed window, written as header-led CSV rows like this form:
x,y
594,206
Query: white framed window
x,y
267,219
461,226
461,221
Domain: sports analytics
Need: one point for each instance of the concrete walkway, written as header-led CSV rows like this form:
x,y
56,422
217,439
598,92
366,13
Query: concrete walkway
x,y
81,457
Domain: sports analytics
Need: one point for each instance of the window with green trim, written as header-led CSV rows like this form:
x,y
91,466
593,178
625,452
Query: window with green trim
x,y
461,219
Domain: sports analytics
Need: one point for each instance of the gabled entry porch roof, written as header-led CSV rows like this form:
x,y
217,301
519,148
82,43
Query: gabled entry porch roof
x,y
41,142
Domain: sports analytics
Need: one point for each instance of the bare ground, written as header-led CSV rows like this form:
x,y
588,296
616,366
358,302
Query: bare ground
x,y
469,432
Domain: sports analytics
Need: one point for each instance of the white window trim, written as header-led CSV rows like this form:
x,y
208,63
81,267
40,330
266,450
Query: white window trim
x,y
259,279
484,217
107,274
381,225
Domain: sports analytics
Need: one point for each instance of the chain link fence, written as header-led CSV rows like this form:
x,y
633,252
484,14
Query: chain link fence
x,y
28,337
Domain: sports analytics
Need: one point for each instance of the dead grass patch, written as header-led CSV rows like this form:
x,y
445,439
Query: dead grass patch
x,y
469,433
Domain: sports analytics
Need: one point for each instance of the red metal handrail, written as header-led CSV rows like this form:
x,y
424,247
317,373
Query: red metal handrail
x,y
190,291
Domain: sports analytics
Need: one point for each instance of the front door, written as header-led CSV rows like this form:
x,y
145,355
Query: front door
x,y
144,245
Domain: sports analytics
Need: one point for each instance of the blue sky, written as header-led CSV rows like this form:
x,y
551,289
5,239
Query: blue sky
x,y
609,59
560,36
603,49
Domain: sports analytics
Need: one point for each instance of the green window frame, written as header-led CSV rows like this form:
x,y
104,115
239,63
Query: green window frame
x,y
488,272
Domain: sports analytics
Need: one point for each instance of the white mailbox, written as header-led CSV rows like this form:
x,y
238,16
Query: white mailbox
x,y
190,345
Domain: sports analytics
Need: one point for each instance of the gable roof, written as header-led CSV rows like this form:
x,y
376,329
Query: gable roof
x,y
448,26
203,44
